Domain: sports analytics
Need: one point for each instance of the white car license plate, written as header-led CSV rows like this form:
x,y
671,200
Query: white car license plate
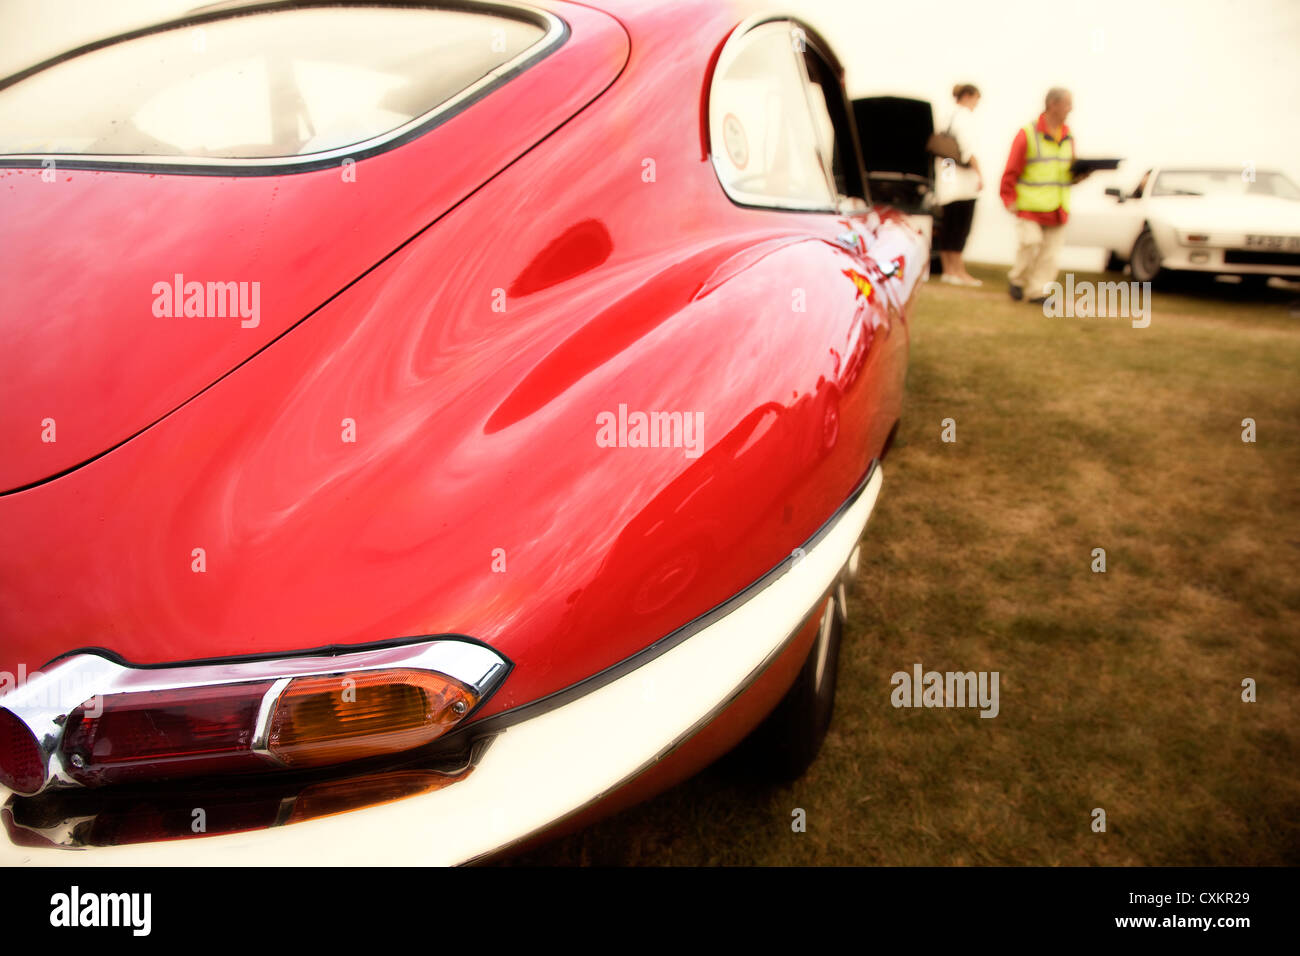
x,y
1289,243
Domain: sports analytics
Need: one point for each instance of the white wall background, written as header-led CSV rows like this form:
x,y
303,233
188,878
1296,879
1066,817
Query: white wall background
x,y
1154,81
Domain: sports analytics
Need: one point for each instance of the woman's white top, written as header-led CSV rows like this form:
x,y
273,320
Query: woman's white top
x,y
952,182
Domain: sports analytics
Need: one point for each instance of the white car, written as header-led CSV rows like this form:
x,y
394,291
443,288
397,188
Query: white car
x,y
1219,221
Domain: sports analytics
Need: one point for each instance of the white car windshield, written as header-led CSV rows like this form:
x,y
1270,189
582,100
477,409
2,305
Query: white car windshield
x,y
281,83
1224,182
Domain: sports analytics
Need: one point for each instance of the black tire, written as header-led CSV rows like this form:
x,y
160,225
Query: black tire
x,y
785,744
1144,262
1114,263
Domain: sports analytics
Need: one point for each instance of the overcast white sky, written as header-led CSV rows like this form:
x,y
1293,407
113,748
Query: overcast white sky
x,y
1183,81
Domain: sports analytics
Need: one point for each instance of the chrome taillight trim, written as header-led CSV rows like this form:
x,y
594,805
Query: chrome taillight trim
x,y
45,703
261,736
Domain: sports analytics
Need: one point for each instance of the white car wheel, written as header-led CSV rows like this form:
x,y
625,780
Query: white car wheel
x,y
1145,260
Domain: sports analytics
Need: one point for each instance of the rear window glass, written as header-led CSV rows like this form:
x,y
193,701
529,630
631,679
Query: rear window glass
x,y
286,83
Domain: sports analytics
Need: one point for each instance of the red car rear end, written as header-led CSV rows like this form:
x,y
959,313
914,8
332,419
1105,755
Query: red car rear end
x,y
544,424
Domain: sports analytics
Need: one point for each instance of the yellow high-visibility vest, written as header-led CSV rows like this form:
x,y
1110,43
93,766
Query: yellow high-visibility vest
x,y
1044,183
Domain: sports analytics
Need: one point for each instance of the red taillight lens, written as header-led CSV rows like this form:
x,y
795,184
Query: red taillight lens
x,y
343,717
22,765
213,729
236,716
165,733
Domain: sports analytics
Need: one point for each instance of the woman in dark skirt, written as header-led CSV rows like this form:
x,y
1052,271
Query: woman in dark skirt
x,y
958,183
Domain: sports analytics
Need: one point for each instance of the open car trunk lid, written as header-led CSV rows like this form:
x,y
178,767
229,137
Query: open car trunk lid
x,y
893,131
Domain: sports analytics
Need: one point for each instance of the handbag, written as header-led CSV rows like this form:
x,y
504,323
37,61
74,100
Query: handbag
x,y
944,145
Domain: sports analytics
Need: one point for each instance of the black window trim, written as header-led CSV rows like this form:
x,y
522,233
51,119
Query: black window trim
x,y
556,33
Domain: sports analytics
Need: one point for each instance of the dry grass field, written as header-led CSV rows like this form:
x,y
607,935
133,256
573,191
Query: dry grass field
x,y
1119,690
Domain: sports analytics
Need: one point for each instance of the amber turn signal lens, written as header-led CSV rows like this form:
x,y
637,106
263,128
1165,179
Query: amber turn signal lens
x,y
349,716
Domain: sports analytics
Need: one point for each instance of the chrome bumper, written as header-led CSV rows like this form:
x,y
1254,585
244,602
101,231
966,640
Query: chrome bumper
x,y
548,767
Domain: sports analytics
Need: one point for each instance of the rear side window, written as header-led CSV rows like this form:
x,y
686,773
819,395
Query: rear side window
x,y
765,138
287,83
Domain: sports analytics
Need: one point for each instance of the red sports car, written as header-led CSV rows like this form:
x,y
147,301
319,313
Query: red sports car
x,y
461,415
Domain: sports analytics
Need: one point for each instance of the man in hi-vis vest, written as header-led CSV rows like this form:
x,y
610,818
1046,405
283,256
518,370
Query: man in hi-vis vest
x,y
1036,187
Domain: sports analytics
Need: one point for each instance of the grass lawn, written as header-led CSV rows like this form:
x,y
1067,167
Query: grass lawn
x,y
1119,690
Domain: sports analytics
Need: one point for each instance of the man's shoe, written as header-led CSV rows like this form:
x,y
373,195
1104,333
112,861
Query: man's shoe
x,y
1017,293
